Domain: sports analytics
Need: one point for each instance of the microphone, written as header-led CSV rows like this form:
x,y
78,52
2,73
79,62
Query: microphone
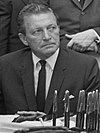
x,y
54,114
66,109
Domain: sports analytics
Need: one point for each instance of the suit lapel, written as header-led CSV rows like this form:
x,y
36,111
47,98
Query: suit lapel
x,y
28,81
77,3
87,3
56,82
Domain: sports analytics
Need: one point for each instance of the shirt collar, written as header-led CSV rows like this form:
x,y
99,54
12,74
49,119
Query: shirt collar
x,y
51,60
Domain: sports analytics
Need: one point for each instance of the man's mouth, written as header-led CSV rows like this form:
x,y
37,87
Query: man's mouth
x,y
48,44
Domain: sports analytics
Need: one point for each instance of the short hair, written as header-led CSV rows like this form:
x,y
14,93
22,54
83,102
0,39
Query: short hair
x,y
29,10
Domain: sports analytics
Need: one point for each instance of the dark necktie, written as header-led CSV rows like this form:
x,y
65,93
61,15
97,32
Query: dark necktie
x,y
40,98
82,2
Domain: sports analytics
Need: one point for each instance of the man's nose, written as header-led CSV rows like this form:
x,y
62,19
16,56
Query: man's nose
x,y
46,35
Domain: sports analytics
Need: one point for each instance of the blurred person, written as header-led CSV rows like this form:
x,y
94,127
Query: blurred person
x,y
9,40
65,69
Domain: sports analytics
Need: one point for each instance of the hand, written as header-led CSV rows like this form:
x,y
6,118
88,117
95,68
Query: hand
x,y
30,113
28,116
82,41
93,47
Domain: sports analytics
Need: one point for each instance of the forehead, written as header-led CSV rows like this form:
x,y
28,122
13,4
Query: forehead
x,y
39,20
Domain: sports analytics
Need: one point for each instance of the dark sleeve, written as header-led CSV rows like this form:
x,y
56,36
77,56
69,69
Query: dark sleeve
x,y
97,29
2,103
5,16
92,79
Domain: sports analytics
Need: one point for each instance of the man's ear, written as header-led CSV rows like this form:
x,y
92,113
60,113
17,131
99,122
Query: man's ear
x,y
23,39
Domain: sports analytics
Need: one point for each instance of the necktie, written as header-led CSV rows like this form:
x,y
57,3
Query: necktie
x,y
82,2
40,98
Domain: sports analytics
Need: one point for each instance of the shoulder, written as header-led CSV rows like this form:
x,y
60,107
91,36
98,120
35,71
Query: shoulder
x,y
79,59
16,56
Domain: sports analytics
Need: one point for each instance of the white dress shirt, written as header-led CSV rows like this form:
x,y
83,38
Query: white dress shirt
x,y
50,63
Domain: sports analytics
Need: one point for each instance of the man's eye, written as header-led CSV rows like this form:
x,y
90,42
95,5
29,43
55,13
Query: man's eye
x,y
52,28
37,32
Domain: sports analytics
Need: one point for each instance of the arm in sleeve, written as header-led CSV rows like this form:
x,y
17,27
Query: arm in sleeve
x,y
5,17
92,79
2,103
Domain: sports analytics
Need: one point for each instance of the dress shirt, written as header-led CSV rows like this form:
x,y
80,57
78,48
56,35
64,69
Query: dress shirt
x,y
50,63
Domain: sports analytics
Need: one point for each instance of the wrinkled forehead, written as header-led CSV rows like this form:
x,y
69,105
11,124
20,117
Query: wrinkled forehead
x,y
40,19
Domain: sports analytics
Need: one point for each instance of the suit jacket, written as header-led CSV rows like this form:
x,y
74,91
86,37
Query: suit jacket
x,y
72,71
72,17
9,40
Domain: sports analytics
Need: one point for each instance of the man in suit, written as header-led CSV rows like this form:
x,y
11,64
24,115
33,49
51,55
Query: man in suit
x,y
72,17
9,40
80,23
65,69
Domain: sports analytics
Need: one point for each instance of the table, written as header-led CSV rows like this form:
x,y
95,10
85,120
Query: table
x,y
7,126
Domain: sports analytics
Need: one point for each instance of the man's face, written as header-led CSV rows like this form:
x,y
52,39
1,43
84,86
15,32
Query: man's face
x,y
42,34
